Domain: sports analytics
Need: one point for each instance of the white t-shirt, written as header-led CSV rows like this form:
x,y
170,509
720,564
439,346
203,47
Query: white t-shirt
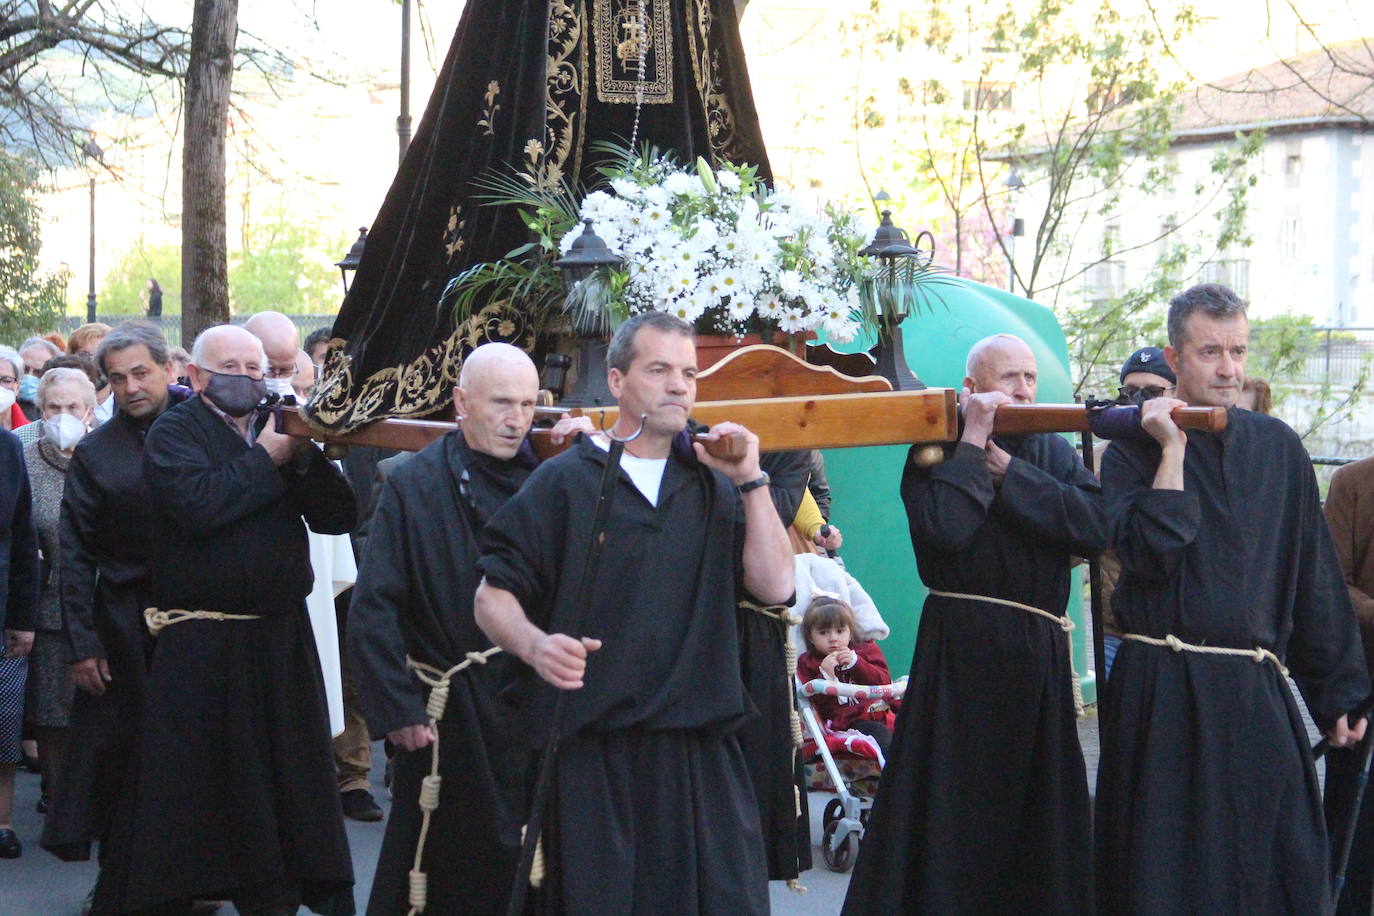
x,y
646,473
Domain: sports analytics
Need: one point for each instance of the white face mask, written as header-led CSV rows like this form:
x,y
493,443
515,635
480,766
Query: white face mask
x,y
64,431
281,386
7,397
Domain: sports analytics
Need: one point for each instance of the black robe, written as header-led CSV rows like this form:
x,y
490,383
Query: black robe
x,y
983,806
234,782
1207,798
107,531
414,597
652,807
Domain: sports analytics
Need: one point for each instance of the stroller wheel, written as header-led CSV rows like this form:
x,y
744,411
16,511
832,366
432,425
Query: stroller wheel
x,y
834,810
842,856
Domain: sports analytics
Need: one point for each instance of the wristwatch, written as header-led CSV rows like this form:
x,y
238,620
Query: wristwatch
x,y
759,481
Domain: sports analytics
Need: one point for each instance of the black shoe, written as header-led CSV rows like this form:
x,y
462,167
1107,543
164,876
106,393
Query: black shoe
x,y
10,847
358,804
42,806
30,765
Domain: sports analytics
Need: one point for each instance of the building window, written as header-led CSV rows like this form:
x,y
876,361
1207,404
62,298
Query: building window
x,y
985,96
1230,272
1290,239
1104,280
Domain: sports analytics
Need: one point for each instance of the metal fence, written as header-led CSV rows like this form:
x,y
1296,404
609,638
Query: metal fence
x,y
171,324
1339,357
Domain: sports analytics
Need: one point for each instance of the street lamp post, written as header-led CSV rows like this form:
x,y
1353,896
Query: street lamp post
x,y
403,120
1018,226
96,155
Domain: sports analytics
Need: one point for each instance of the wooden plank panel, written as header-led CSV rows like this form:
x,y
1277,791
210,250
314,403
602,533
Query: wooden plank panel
x,y
762,371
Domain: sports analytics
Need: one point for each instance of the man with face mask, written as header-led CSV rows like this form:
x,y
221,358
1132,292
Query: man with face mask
x,y
280,343
105,539
233,791
352,750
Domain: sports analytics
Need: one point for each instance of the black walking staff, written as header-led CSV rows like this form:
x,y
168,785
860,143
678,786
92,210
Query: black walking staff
x,y
535,822
1342,859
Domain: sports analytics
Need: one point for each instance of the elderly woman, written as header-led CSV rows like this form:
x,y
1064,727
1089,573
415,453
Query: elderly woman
x,y
11,374
66,402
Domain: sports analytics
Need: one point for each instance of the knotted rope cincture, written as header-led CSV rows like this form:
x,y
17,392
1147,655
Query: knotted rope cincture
x,y
1259,655
1079,710
437,680
789,651
158,621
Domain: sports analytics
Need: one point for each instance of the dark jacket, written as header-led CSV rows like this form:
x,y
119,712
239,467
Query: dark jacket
x,y
18,539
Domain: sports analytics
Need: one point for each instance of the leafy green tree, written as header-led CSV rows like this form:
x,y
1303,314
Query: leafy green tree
x,y
124,290
30,301
285,265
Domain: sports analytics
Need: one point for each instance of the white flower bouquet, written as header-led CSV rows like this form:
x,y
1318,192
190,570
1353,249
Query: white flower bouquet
x,y
717,248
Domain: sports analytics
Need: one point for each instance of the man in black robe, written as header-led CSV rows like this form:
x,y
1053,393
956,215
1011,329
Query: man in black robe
x,y
413,604
108,531
1207,799
233,795
651,810
983,805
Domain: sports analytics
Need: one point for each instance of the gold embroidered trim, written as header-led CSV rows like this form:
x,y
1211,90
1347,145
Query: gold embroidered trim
x,y
628,33
565,90
720,117
413,389
490,109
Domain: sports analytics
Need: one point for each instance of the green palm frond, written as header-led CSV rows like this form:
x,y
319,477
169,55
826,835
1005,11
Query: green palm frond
x,y
903,290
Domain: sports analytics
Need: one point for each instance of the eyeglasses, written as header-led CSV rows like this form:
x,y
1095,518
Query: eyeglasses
x,y
8,380
1133,393
270,372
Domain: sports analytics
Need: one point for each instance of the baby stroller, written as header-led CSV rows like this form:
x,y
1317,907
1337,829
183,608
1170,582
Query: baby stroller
x,y
847,763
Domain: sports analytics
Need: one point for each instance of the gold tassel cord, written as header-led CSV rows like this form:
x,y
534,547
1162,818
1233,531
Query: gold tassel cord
x,y
438,682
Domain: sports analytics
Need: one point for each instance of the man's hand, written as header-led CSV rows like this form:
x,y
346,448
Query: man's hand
x,y
279,446
1156,418
411,737
979,410
18,643
562,660
997,461
830,540
91,675
1341,735
567,427
740,470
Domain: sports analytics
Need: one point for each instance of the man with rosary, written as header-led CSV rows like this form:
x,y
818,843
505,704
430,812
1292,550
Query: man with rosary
x,y
651,807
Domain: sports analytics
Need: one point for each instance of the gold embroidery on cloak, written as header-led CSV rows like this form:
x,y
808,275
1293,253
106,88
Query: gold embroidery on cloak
x,y
720,117
627,33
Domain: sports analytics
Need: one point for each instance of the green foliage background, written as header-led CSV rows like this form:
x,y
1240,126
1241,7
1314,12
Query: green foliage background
x,y
30,301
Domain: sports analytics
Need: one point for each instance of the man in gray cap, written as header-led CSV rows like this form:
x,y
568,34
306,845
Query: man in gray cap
x,y
1145,375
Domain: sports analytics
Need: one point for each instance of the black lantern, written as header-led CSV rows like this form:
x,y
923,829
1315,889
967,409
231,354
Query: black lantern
x,y
891,289
585,271
350,261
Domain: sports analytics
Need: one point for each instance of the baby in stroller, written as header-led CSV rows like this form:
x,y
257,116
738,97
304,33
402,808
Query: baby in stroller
x,y
837,651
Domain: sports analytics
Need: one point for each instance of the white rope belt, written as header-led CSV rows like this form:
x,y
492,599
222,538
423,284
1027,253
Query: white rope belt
x,y
1065,624
1259,655
438,682
158,621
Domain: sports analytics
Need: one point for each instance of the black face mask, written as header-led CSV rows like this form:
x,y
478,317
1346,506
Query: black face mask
x,y
236,395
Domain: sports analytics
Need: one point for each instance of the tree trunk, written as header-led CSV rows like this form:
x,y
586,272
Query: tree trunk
x,y
204,250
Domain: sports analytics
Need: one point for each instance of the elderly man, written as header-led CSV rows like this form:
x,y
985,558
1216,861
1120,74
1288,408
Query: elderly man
x,y
412,618
107,530
34,351
983,806
651,807
352,752
1206,796
280,342
234,795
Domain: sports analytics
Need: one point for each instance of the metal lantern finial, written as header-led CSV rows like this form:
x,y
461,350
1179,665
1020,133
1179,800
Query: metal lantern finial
x,y
588,258
891,289
587,255
354,257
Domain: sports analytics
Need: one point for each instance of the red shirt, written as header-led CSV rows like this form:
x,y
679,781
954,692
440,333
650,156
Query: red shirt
x,y
870,668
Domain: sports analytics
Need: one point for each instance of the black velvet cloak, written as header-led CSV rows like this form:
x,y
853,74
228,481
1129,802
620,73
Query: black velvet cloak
x,y
106,532
983,806
414,597
652,808
1207,798
234,781
528,85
